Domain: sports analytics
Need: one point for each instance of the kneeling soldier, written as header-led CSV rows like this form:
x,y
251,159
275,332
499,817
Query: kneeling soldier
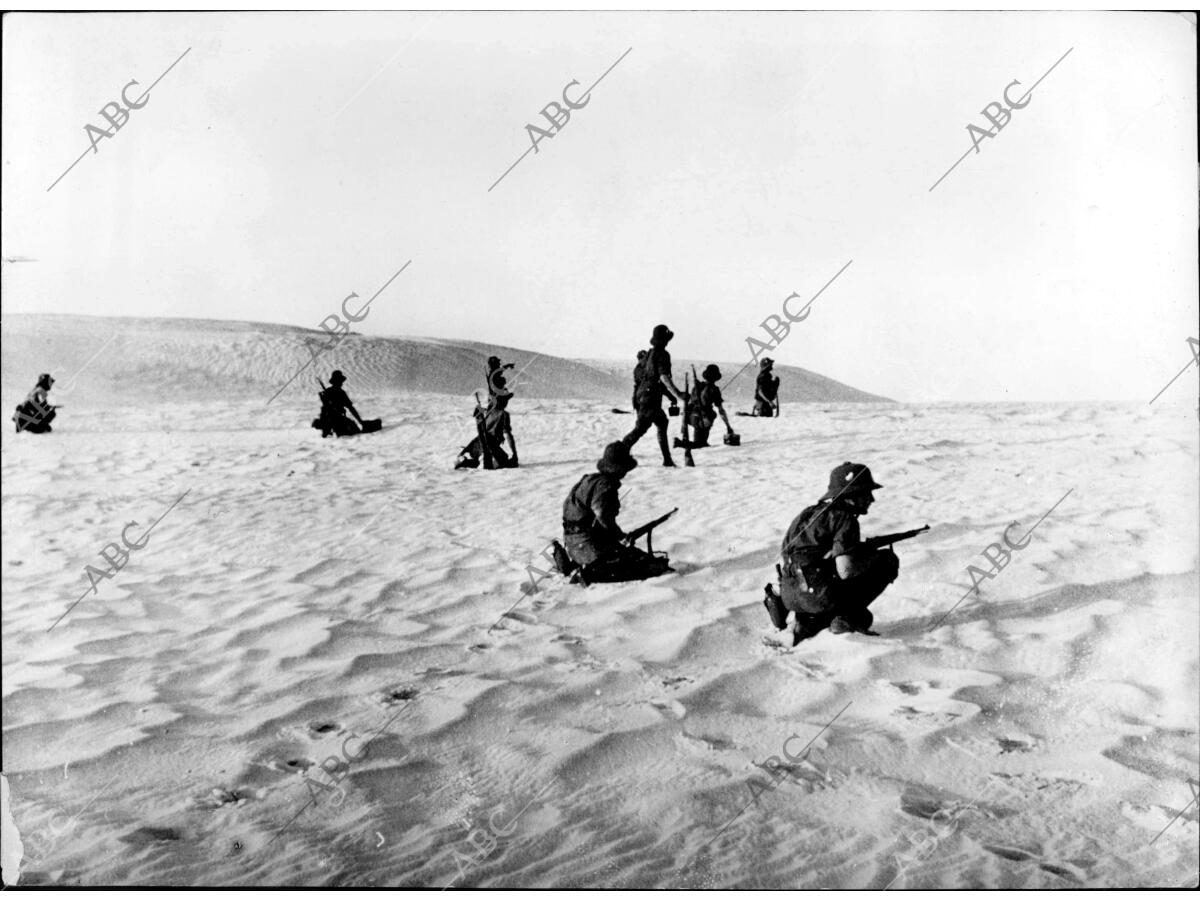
x,y
595,544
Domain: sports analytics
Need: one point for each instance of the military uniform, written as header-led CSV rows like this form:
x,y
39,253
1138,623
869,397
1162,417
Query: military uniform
x,y
703,416
36,413
648,393
810,585
334,403
766,389
592,538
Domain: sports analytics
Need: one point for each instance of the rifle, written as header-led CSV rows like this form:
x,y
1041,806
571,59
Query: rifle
x,y
886,540
687,438
647,530
484,447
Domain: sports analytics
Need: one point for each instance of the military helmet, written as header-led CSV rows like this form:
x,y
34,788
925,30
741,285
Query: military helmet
x,y
849,479
493,362
617,459
766,363
337,377
45,381
711,372
661,334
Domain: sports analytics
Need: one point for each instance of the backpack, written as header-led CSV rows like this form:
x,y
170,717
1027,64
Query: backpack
x,y
643,386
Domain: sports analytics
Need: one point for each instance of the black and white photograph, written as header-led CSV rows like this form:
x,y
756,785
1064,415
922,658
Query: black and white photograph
x,y
584,449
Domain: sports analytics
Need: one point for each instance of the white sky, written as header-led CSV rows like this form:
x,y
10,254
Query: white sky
x,y
729,160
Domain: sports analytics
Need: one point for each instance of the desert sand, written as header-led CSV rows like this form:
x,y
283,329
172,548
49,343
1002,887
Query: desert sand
x,y
305,595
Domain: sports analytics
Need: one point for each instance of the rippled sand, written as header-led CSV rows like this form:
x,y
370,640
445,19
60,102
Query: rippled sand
x,y
305,594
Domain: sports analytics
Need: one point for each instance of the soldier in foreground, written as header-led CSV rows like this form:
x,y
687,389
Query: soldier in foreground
x,y
829,575
596,547
37,412
651,381
766,390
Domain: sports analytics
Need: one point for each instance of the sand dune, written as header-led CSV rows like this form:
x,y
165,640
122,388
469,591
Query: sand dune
x,y
152,360
305,595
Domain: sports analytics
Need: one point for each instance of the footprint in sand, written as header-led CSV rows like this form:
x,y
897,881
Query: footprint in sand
x,y
676,679
924,717
220,797
148,834
398,695
566,639
672,708
1014,746
906,687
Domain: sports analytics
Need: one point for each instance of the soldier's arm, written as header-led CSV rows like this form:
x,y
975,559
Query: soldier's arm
x,y
665,380
847,552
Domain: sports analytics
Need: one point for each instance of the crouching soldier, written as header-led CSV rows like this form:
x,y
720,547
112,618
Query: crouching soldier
x,y
497,426
828,576
596,549
37,412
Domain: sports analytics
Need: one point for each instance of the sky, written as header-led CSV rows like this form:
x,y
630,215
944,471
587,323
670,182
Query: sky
x,y
727,161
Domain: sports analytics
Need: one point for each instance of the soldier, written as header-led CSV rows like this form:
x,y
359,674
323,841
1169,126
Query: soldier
x,y
497,383
36,413
705,406
497,425
827,579
652,379
766,390
334,403
595,548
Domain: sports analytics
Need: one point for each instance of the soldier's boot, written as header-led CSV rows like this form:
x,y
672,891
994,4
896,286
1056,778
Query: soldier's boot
x,y
857,621
666,449
775,608
807,626
562,561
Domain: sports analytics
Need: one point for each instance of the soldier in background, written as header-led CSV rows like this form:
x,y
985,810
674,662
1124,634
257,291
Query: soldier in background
x,y
334,405
36,413
706,405
766,390
652,380
497,426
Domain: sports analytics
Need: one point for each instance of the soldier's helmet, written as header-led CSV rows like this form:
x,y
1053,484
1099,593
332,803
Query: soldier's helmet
x,y
661,334
493,362
766,363
337,377
849,479
712,373
616,460
45,381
